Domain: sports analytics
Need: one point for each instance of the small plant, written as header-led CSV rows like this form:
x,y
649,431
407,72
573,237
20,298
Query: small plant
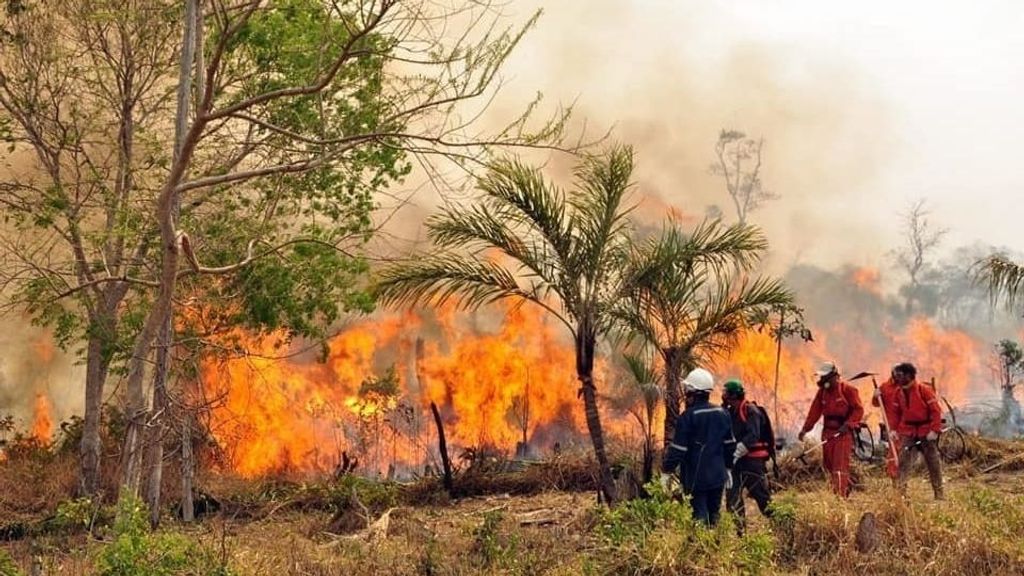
x,y
7,565
985,501
136,552
755,553
636,519
489,545
74,515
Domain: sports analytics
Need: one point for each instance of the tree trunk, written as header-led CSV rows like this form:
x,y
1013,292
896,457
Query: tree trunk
x,y
673,358
607,483
158,423
166,211
187,471
648,458
165,338
442,446
97,366
778,362
585,343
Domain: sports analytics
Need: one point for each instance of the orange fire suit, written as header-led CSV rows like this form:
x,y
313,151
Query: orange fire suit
x,y
888,391
919,414
839,405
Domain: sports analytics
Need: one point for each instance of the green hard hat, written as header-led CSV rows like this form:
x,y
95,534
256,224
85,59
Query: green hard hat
x,y
734,386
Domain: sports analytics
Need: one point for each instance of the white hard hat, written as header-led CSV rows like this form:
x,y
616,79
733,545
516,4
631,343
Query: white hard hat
x,y
700,380
826,369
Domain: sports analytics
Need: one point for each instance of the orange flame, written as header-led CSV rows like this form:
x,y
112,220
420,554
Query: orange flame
x,y
42,421
951,358
504,377
495,386
867,279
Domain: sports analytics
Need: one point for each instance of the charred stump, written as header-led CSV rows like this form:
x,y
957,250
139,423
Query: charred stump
x,y
442,446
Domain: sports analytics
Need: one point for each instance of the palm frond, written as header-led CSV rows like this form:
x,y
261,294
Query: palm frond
x,y
600,220
1003,278
478,227
724,316
723,247
439,278
521,197
640,368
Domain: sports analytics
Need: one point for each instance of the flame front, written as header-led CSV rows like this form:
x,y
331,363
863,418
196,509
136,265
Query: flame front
x,y
505,378
512,384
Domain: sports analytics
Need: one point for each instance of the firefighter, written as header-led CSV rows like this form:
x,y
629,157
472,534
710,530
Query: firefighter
x,y
919,422
885,397
702,448
754,444
838,404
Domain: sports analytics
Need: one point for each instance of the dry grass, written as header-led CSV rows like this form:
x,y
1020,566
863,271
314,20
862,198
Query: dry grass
x,y
528,524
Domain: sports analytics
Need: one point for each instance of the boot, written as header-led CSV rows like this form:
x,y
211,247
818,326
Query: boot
x,y
939,494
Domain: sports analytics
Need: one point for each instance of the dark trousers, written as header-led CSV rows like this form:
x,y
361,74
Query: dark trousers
x,y
908,457
748,474
707,505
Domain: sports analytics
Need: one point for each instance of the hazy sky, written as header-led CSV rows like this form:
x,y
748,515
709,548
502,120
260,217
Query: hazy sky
x,y
864,107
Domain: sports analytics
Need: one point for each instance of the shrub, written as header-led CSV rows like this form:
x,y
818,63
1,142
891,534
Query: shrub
x,y
136,552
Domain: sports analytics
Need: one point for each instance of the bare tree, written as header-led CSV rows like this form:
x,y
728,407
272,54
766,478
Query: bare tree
x,y
921,238
739,161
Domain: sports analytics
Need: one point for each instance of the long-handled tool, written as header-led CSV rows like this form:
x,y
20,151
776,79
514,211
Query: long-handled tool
x,y
817,445
885,419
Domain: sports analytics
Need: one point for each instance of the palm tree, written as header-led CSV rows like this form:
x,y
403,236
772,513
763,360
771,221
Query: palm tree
x,y
559,250
1005,279
690,297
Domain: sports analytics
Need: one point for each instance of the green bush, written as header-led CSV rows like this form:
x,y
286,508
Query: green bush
x,y
137,552
658,536
74,515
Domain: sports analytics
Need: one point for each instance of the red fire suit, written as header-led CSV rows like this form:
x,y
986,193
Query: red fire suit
x,y
919,414
888,391
838,405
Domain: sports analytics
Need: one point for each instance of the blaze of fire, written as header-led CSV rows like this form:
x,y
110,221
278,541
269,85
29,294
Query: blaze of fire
x,y
500,378
42,420
867,279
493,386
951,357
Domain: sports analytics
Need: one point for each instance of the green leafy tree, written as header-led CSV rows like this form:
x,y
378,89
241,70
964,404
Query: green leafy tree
x,y
559,250
290,116
690,297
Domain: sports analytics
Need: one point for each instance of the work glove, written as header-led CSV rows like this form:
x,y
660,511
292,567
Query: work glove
x,y
728,479
843,429
932,436
741,451
800,436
